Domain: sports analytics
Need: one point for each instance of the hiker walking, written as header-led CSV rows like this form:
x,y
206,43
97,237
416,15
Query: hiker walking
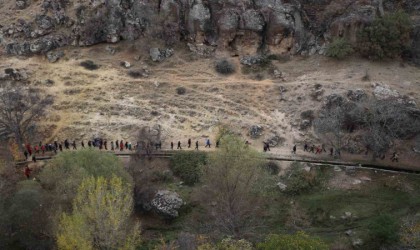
x,y
126,145
264,147
66,144
179,145
312,149
196,145
29,149
89,144
83,144
217,143
106,145
267,146
189,143
331,151
43,149
129,146
323,148
33,158
56,144
305,147
27,172
121,145
172,145
394,157
208,144
112,145
74,145
294,149
60,146
26,154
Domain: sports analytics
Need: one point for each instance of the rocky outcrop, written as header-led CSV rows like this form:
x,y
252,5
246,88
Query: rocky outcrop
x,y
247,27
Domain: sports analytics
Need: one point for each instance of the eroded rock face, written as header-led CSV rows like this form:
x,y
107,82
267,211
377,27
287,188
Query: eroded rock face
x,y
245,26
167,204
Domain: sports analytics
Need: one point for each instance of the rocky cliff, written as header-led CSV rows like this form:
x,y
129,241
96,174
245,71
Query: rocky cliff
x,y
243,26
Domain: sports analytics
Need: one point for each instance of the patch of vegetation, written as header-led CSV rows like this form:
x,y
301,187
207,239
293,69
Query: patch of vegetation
x,y
383,230
135,74
339,48
279,58
188,166
296,241
272,167
301,181
387,36
181,90
225,67
89,65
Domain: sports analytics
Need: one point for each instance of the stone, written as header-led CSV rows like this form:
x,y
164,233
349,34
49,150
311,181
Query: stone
x,y
158,55
253,60
334,100
54,56
22,4
125,64
357,242
281,186
305,124
167,204
337,169
350,169
111,50
356,95
349,232
356,182
255,131
365,178
383,92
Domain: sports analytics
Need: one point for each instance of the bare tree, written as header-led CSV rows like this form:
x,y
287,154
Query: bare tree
x,y
330,125
149,139
20,109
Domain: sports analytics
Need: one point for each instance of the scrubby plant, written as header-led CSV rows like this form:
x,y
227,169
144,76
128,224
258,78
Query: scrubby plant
x,y
187,165
298,241
181,90
387,36
383,230
339,48
89,64
225,67
300,180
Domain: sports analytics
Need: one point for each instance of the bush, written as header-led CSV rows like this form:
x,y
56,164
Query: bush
x,y
387,36
272,167
339,48
187,165
181,90
300,180
135,73
225,67
298,241
383,230
90,65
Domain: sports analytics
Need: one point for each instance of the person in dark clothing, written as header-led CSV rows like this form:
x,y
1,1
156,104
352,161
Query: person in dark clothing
x,y
323,148
126,145
331,151
208,144
267,146
27,172
312,149
172,145
83,144
89,144
56,145
26,155
101,144
106,145
116,144
60,146
189,143
217,143
112,145
196,145
305,148
66,144
74,145
43,149
121,145
394,157
179,145
294,149
33,158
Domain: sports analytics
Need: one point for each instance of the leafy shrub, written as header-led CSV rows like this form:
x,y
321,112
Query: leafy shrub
x,y
89,64
231,244
272,167
135,73
339,48
383,230
187,165
387,36
300,180
225,67
298,241
181,90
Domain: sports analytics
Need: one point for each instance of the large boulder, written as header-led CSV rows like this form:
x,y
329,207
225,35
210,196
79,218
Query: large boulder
x,y
158,55
167,204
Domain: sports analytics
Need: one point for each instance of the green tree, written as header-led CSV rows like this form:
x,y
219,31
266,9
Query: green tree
x,y
234,183
65,172
339,48
387,36
298,241
101,217
188,165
